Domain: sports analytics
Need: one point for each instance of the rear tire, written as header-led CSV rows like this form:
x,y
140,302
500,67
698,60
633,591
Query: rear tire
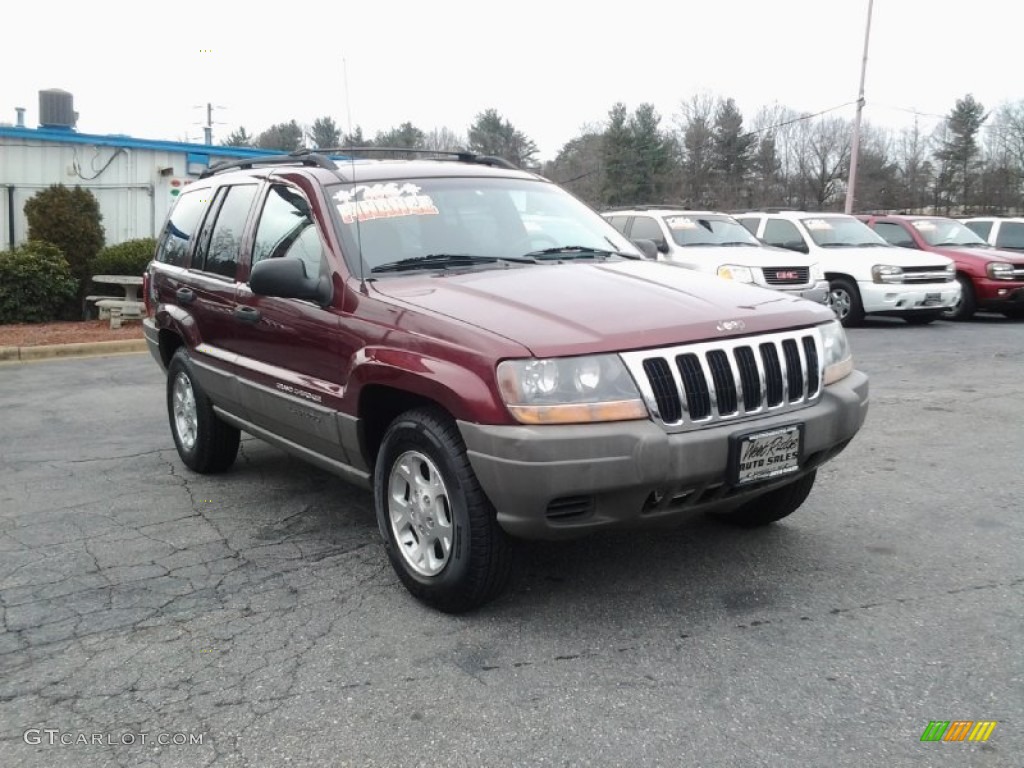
x,y
204,442
846,302
774,505
440,530
965,308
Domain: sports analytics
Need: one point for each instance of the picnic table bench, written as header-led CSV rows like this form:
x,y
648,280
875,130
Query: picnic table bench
x,y
118,309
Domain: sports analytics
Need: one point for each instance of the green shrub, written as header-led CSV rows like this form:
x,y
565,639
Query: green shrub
x,y
127,258
35,283
69,218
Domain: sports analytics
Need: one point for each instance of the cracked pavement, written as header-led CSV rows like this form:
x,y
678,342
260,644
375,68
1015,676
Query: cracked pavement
x,y
257,607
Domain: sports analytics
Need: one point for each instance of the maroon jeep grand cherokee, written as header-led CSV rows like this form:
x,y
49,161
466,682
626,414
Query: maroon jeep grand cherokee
x,y
488,355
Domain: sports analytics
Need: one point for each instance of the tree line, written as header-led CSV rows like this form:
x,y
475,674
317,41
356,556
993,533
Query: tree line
x,y
489,134
707,156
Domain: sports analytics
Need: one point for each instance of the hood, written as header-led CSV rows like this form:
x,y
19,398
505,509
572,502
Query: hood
x,y
981,254
893,255
751,256
588,307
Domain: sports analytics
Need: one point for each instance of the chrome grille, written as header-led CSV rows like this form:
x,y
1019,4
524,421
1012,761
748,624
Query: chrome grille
x,y
786,275
698,385
927,275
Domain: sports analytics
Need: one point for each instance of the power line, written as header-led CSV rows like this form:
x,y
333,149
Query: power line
x,y
910,111
799,119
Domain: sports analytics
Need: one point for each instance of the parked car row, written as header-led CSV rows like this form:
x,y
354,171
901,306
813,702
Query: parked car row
x,y
991,276
859,265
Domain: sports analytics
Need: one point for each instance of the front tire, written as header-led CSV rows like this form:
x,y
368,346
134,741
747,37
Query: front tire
x,y
204,442
846,302
966,306
774,505
440,530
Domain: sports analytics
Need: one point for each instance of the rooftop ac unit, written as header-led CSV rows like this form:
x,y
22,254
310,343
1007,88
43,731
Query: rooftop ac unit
x,y
57,109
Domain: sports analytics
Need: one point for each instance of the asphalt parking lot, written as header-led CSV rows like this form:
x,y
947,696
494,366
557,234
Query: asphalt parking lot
x,y
256,610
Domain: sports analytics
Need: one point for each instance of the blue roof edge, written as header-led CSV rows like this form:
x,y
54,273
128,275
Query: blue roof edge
x,y
61,136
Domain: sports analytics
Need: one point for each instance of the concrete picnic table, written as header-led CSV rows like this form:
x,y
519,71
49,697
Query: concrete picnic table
x,y
130,284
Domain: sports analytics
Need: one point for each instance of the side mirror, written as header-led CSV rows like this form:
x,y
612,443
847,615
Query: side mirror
x,y
286,279
647,248
796,245
662,246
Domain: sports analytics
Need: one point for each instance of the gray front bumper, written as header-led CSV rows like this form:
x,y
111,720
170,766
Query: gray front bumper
x,y
819,292
556,481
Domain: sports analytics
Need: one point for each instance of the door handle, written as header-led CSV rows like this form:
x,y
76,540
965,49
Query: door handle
x,y
249,315
185,295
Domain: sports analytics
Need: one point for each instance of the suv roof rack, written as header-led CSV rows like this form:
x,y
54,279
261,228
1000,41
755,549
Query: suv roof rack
x,y
460,156
648,207
306,158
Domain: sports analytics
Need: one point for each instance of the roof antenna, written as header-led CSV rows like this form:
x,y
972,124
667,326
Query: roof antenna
x,y
352,159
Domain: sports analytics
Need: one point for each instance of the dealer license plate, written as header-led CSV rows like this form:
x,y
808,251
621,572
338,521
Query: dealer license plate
x,y
764,455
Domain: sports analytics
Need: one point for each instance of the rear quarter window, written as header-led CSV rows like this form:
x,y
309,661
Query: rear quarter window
x,y
980,228
1011,235
180,227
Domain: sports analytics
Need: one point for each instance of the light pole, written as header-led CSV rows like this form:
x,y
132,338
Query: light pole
x,y
855,149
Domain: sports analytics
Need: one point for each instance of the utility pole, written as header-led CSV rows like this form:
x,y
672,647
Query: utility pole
x,y
208,126
851,186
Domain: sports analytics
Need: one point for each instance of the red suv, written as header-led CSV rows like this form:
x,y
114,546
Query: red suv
x,y
989,278
486,354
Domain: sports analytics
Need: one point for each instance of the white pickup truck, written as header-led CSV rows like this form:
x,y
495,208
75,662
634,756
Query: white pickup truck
x,y
867,275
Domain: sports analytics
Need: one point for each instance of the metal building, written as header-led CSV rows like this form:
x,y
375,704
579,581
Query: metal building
x,y
134,180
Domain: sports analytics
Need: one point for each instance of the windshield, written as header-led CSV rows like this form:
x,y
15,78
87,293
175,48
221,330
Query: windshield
x,y
946,232
482,221
838,231
703,229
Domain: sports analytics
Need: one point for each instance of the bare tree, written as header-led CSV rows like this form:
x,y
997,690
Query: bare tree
x,y
696,135
824,160
915,170
444,139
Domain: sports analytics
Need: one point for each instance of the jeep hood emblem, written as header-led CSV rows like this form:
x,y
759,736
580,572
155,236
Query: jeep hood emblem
x,y
731,325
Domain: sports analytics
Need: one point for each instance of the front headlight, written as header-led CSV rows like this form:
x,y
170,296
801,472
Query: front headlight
x,y
735,272
570,390
999,270
817,273
885,273
838,362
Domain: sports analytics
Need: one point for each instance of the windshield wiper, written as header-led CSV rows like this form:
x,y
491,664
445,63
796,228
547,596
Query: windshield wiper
x,y
742,242
578,252
951,244
435,260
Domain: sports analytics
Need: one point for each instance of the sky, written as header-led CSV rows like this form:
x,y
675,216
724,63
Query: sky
x,y
550,67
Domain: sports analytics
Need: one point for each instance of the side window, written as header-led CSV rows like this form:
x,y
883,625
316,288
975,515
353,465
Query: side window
x,y
287,230
750,224
221,243
181,226
783,234
895,234
619,222
980,228
1011,235
647,228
